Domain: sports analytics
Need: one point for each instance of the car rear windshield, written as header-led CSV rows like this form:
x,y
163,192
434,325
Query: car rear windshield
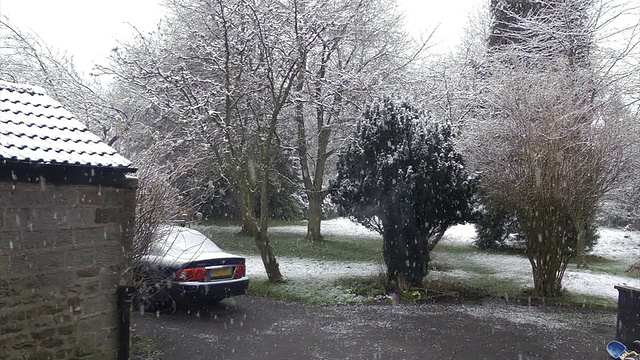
x,y
178,241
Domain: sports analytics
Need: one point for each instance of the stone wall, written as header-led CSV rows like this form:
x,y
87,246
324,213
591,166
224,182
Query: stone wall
x,y
64,249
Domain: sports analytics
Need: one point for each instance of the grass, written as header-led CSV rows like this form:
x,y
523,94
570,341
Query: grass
x,y
600,264
360,290
475,287
338,248
450,257
443,288
232,222
445,262
456,249
479,281
308,292
367,287
632,271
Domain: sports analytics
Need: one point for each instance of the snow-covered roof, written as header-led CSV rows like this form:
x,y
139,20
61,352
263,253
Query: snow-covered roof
x,y
36,129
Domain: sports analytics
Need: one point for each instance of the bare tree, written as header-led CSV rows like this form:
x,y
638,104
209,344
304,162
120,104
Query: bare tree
x,y
550,138
223,71
351,51
228,73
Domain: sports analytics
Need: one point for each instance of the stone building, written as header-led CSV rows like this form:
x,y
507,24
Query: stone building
x,y
66,227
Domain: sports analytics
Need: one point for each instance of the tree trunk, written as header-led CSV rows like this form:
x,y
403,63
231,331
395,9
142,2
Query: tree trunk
x,y
262,240
244,198
268,258
417,256
581,244
548,247
313,186
279,96
313,182
395,249
249,227
436,239
547,280
314,217
247,211
316,194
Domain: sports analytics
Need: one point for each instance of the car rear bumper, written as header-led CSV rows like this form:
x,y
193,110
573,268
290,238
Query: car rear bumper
x,y
215,290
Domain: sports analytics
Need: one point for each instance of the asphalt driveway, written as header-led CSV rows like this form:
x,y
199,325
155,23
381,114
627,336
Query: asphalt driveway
x,y
257,328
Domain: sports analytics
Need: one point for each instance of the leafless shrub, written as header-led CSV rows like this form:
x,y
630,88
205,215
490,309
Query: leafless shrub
x,y
554,132
158,202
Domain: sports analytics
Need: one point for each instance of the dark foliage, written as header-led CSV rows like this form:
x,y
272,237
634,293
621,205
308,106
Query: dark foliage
x,y
402,177
284,186
495,226
285,203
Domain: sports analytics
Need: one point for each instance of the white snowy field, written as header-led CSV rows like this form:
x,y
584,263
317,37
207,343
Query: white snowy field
x,y
616,244
297,268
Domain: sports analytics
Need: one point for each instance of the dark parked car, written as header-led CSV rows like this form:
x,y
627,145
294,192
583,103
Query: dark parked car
x,y
184,266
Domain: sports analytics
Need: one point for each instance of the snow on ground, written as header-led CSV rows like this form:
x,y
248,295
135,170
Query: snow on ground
x,y
597,284
464,234
518,269
615,244
297,268
618,244
339,226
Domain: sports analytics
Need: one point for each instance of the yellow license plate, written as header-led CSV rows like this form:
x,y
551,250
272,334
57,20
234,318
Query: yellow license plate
x,y
216,273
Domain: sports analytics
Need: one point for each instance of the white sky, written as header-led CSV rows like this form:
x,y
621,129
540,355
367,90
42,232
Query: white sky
x,y
88,29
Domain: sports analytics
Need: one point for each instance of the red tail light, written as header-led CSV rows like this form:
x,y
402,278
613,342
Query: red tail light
x,y
241,270
192,274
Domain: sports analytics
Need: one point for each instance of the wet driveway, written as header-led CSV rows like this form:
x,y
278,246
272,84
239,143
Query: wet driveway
x,y
257,328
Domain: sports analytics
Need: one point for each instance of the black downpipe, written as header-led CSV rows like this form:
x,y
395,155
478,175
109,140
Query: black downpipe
x,y
125,297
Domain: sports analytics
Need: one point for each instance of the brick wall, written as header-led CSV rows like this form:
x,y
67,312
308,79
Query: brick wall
x,y
63,251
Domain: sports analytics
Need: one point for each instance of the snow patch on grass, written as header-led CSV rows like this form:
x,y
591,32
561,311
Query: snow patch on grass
x,y
339,226
596,284
463,234
308,269
618,244
511,267
613,244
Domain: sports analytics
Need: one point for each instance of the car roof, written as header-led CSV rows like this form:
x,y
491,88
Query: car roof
x,y
189,236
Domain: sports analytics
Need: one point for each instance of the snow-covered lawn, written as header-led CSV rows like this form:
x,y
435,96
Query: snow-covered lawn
x,y
615,244
339,226
298,268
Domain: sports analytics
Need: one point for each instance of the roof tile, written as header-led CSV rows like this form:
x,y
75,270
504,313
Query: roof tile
x,y
36,128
